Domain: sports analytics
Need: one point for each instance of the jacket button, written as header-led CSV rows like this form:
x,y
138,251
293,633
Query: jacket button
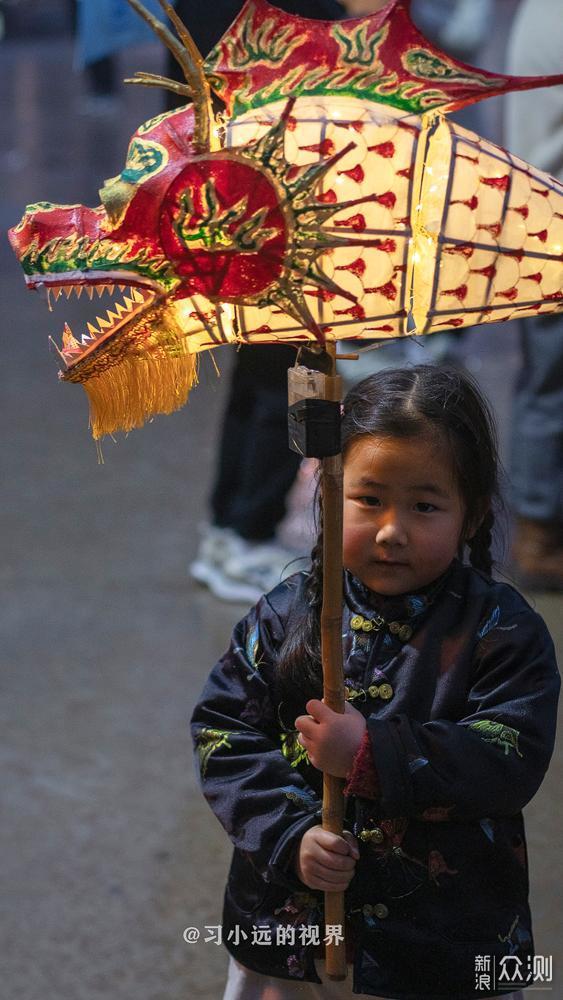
x,y
405,632
356,622
375,836
373,691
385,691
380,911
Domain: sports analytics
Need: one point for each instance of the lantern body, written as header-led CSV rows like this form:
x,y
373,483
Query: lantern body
x,y
488,234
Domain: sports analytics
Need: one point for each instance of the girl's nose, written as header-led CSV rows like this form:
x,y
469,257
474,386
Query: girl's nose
x,y
391,531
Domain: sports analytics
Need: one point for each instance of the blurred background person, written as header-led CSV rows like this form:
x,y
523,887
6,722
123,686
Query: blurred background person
x,y
535,132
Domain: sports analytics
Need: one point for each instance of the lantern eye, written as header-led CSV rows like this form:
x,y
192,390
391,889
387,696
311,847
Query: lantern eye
x,y
116,196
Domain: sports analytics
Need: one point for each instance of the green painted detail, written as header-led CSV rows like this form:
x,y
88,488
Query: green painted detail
x,y
265,44
207,742
359,50
428,66
80,254
46,206
496,732
144,160
366,86
214,231
292,750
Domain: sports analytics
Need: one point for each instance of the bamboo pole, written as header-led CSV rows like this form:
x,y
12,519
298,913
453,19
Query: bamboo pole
x,y
321,382
333,676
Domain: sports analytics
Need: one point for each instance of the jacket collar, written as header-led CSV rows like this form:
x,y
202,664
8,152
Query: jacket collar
x,y
402,607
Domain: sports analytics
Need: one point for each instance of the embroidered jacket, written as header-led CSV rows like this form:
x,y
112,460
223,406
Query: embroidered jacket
x,y
459,688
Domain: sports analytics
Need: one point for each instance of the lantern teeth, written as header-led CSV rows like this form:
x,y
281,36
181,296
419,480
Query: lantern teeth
x,y
69,340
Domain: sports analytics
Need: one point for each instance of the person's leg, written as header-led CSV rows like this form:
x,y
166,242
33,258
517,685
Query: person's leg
x,y
256,467
537,453
230,459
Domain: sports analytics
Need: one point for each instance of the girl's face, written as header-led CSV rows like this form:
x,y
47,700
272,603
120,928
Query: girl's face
x,y
403,514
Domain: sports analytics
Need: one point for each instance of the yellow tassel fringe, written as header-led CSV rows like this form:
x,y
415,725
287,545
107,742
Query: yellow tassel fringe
x,y
130,393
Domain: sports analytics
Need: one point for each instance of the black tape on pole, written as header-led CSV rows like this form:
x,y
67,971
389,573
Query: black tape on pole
x,y
314,427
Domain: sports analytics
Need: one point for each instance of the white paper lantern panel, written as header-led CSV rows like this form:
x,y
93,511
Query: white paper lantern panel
x,y
488,234
371,264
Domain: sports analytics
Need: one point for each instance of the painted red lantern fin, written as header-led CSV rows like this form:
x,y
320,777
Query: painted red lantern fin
x,y
268,55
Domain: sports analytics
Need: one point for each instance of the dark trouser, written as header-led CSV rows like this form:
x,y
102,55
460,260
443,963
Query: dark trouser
x,y
537,422
256,467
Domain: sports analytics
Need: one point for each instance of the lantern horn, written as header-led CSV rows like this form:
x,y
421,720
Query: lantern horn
x,y
188,56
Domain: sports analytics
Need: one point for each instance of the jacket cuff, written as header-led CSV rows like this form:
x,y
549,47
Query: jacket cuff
x,y
363,779
280,870
396,792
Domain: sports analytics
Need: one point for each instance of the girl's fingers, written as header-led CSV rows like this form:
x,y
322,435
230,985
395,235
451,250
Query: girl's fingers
x,y
333,842
334,862
321,881
320,871
326,887
353,844
306,725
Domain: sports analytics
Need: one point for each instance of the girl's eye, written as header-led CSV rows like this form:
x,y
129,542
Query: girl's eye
x,y
424,508
370,501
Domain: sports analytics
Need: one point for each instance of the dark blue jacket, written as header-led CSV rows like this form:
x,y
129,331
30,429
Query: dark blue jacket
x,y
461,737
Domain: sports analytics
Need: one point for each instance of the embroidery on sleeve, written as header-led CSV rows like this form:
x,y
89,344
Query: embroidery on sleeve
x,y
292,750
207,742
497,732
300,797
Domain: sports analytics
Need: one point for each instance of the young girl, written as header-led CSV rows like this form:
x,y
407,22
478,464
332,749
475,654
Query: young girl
x,y
449,726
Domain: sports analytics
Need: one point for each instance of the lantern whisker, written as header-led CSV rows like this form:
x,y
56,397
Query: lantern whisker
x,y
154,80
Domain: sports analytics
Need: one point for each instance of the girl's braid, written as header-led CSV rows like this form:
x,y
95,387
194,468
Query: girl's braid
x,y
479,546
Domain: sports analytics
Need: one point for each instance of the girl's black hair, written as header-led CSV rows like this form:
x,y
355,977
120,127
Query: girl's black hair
x,y
423,400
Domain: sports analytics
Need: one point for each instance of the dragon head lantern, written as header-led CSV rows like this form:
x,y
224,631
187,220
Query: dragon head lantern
x,y
333,200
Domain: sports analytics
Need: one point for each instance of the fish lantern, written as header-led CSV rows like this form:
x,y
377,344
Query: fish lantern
x,y
333,199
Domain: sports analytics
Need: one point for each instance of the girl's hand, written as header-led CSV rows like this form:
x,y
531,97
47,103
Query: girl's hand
x,y
326,861
330,738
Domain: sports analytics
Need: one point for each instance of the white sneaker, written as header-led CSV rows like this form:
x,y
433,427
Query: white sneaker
x,y
261,565
237,570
